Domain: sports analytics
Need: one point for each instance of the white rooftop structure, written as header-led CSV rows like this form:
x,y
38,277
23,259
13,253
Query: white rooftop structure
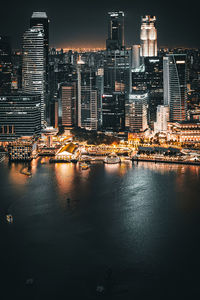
x,y
39,14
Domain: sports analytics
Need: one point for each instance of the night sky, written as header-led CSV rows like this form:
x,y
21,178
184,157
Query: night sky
x,y
83,23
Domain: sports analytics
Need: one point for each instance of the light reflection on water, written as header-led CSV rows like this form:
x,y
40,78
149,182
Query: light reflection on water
x,y
123,215
68,179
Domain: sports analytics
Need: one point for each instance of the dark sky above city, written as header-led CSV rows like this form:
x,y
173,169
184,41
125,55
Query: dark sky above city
x,y
83,23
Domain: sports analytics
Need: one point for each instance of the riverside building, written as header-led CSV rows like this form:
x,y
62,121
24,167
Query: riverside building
x,y
19,116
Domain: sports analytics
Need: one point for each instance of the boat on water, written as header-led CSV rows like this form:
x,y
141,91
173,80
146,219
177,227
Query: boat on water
x,y
9,218
112,159
84,166
27,173
43,162
74,161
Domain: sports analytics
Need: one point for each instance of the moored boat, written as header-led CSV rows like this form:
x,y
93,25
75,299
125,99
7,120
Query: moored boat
x,y
112,159
9,218
84,166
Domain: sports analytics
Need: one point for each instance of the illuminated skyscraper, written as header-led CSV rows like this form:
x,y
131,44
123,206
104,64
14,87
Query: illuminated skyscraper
x,y
33,64
115,39
148,36
88,97
40,18
175,88
136,111
80,62
135,56
68,99
162,117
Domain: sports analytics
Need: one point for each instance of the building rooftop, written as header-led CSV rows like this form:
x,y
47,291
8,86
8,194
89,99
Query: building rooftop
x,y
67,149
39,14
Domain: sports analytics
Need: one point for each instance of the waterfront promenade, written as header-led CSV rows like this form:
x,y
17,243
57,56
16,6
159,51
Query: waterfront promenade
x,y
167,161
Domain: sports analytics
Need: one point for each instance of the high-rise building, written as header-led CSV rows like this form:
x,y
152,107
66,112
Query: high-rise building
x,y
80,62
116,71
148,36
68,100
113,111
89,108
149,76
100,88
60,72
136,111
175,87
115,39
162,118
88,104
19,116
38,19
56,113
5,65
135,56
33,65
16,71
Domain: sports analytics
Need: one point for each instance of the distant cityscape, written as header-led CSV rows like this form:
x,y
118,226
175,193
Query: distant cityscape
x,y
141,100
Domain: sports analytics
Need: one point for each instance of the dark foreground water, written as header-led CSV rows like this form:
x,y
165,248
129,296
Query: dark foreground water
x,y
141,221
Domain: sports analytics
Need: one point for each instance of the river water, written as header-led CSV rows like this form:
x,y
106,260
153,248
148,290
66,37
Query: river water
x,y
140,221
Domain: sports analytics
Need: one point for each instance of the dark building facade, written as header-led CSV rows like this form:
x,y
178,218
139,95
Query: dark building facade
x,y
19,116
113,112
116,71
16,71
69,103
115,39
60,72
88,98
149,77
5,65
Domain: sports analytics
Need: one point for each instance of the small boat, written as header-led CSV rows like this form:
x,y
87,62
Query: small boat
x,y
112,159
100,289
29,281
74,161
43,162
9,218
84,166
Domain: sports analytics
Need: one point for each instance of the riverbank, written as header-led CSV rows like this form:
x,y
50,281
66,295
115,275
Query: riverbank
x,y
179,162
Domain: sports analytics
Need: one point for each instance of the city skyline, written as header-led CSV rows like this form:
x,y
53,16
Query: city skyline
x,y
71,28
99,149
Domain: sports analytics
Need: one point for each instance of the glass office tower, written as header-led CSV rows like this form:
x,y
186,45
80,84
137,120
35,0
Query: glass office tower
x,y
33,65
40,18
175,88
115,39
19,116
